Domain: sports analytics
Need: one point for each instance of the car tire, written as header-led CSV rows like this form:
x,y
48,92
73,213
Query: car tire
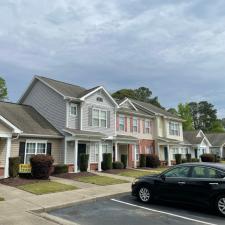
x,y
220,205
144,194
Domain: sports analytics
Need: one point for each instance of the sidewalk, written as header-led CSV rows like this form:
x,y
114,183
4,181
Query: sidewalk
x,y
16,211
130,179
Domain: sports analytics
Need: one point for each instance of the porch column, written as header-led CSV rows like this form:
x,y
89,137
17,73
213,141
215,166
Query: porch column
x,y
7,155
75,155
100,157
135,154
169,155
116,151
65,152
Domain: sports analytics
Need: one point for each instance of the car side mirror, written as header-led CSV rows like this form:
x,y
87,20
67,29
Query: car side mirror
x,y
163,177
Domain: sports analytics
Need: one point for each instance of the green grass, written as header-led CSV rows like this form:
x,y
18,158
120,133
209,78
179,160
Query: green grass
x,y
100,180
46,187
1,199
140,173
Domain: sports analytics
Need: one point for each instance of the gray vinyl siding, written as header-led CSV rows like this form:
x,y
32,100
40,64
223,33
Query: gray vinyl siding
x,y
48,103
73,122
127,105
107,105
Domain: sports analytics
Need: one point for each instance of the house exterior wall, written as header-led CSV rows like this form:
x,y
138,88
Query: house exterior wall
x,y
2,152
48,103
90,103
73,122
4,129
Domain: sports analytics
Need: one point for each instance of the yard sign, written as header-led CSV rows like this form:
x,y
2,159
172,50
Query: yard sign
x,y
24,168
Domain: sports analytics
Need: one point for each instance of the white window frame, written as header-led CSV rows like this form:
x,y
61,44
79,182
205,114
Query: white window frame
x,y
123,118
70,108
135,119
99,117
36,142
147,128
174,128
137,156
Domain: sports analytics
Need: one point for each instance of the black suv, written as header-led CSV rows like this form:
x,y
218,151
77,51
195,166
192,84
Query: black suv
x,y
198,183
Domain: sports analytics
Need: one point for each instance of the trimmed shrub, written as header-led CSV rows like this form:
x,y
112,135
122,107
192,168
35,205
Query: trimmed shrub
x,y
107,161
208,158
124,161
178,158
188,157
84,162
60,168
217,158
142,160
194,160
152,161
14,166
184,161
118,165
41,166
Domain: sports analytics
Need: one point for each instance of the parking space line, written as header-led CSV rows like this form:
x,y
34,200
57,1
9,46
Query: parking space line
x,y
162,212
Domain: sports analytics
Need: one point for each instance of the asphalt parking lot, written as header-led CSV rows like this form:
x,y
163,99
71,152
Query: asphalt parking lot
x,y
126,210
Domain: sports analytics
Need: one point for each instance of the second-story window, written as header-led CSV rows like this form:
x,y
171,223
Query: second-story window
x,y
99,118
135,125
73,109
147,126
174,129
122,123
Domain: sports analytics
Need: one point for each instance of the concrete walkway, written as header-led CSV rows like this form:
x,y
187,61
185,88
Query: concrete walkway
x,y
16,210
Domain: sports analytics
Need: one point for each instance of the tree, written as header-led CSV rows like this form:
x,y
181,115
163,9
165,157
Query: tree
x,y
173,111
217,126
142,94
3,89
184,111
203,115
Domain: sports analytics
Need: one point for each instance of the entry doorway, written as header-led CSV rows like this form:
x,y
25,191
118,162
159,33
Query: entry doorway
x,y
81,150
165,153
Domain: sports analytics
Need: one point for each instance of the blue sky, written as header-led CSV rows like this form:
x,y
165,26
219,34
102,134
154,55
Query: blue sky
x,y
176,48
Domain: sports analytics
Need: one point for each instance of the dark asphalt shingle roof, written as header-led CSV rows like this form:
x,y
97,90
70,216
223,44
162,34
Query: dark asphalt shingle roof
x,y
154,108
84,132
191,137
216,139
126,137
27,119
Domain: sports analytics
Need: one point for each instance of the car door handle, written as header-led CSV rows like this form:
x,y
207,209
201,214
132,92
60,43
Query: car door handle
x,y
181,182
213,183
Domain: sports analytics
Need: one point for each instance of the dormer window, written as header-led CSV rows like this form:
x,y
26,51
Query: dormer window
x,y
73,109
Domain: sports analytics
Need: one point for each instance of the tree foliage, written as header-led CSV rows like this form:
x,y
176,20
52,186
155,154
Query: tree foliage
x,y
142,94
184,112
3,90
203,115
173,111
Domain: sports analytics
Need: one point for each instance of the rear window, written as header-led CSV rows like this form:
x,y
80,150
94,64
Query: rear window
x,y
206,172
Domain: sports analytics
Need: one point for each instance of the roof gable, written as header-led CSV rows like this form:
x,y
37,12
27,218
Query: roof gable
x,y
126,103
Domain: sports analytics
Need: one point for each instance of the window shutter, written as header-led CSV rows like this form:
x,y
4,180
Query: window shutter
x,y
143,122
139,126
117,122
108,119
22,151
131,124
125,123
90,116
49,148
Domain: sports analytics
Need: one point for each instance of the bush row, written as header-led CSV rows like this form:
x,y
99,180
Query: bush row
x,y
150,160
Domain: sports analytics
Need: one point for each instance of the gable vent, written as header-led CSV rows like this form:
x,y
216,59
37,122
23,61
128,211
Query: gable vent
x,y
99,99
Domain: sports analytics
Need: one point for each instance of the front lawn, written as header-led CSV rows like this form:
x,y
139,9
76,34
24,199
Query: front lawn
x,y
46,187
140,173
100,180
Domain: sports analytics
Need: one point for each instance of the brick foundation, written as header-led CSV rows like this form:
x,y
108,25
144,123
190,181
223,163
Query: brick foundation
x,y
94,166
1,171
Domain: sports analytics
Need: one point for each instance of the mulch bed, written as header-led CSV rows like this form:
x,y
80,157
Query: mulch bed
x,y
73,176
18,181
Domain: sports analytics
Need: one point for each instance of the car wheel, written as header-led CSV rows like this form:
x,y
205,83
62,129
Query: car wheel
x,y
220,205
144,194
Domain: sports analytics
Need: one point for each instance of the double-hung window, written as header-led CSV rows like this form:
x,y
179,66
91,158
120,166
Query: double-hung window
x,y
147,126
73,109
122,123
99,118
135,125
34,148
137,152
174,129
